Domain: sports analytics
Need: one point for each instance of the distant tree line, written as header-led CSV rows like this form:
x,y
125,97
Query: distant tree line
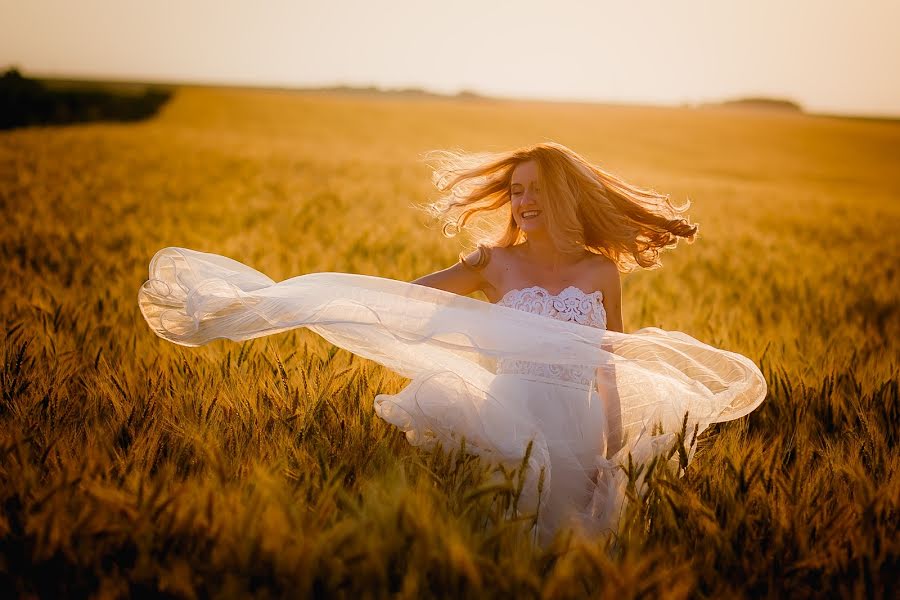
x,y
384,91
25,101
767,103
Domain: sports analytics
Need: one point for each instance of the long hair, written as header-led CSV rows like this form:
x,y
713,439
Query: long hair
x,y
585,206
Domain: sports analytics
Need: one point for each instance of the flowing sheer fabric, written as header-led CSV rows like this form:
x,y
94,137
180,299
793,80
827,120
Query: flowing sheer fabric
x,y
453,349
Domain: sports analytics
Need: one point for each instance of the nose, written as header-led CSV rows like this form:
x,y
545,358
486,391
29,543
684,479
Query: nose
x,y
528,197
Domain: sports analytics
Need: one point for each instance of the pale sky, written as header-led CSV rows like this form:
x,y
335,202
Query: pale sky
x,y
834,56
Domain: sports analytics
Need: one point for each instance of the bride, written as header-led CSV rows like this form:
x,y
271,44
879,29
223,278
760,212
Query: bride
x,y
543,370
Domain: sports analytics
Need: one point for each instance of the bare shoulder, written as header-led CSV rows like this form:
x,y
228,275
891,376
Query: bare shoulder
x,y
604,274
606,278
497,256
496,263
600,261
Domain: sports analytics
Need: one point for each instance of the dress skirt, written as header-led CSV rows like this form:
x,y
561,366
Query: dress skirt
x,y
465,359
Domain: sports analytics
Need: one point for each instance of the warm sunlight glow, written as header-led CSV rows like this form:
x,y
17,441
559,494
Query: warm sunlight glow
x,y
827,55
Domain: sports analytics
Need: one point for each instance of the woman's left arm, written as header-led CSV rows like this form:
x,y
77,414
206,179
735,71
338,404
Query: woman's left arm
x,y
610,283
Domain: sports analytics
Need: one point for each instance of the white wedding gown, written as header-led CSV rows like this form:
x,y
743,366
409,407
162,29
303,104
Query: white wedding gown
x,y
535,367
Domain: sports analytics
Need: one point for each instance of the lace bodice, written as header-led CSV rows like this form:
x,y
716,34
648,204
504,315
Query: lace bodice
x,y
571,304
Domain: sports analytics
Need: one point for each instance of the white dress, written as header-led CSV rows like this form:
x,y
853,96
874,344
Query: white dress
x,y
534,368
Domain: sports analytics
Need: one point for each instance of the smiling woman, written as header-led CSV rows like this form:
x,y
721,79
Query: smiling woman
x,y
542,376
569,224
581,207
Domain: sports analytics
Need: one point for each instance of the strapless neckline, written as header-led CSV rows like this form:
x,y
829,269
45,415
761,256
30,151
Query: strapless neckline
x,y
570,304
561,292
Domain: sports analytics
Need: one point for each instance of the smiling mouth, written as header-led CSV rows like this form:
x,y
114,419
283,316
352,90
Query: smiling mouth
x,y
530,214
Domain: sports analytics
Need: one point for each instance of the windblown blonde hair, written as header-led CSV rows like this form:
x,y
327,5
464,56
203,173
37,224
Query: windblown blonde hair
x,y
585,207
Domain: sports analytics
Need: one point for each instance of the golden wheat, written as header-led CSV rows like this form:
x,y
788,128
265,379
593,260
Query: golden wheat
x,y
130,465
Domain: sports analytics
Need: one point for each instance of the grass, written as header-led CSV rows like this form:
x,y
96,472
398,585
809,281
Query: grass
x,y
131,466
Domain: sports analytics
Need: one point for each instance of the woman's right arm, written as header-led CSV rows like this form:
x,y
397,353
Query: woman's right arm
x,y
459,279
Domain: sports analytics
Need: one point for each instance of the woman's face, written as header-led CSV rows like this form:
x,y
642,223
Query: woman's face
x,y
526,197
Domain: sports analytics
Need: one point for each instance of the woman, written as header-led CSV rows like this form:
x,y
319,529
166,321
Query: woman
x,y
573,392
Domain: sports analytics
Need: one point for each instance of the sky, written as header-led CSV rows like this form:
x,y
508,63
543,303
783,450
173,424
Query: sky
x,y
831,56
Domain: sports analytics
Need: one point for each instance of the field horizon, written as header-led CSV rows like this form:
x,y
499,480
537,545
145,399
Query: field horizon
x,y
737,102
132,466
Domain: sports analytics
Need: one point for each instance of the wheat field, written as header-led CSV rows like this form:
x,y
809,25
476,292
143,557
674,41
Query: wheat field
x,y
130,466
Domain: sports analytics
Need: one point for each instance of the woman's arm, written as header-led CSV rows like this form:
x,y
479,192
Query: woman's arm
x,y
459,279
610,283
613,306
